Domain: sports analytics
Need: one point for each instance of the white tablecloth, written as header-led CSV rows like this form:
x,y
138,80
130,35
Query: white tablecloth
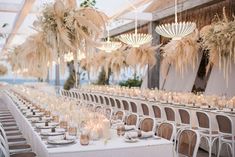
x,y
116,147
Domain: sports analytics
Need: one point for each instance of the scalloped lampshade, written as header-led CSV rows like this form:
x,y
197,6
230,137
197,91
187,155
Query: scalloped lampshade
x,y
176,30
109,46
135,39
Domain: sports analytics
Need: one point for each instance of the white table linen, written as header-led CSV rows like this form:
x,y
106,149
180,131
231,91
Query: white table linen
x,y
116,147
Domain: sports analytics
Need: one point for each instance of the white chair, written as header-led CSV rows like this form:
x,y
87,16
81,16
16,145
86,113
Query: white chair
x,y
157,113
14,148
205,129
145,109
147,124
166,130
226,133
187,143
132,119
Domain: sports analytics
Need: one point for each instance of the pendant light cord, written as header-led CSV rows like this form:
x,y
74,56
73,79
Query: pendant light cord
x,y
176,18
136,23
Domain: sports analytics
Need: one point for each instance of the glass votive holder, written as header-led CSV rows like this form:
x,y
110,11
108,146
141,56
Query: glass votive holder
x,y
120,130
47,113
84,139
64,124
72,129
56,118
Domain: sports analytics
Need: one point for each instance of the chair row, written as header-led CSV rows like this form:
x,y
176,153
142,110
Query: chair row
x,y
12,142
130,106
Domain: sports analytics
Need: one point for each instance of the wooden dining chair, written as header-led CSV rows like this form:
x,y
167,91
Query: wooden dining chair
x,y
147,124
205,129
132,119
226,133
145,109
166,130
133,107
187,143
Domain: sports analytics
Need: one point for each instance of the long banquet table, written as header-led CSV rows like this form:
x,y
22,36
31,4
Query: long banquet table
x,y
175,107
115,147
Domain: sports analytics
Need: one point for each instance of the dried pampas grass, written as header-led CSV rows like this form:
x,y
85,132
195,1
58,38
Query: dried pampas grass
x,y
181,53
115,61
219,39
142,56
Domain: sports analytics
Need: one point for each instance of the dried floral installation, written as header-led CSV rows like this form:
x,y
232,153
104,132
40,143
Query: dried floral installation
x,y
219,39
62,28
142,56
181,53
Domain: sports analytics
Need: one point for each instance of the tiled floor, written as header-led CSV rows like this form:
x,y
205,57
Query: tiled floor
x,y
202,153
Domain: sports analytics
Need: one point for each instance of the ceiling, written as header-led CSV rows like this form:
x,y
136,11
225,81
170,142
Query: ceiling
x,y
10,11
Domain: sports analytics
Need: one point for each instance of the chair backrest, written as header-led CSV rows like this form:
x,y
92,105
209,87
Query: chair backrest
x,y
101,99
188,143
170,113
3,147
112,102
120,115
98,108
132,119
166,131
106,100
87,97
225,124
125,105
4,142
96,99
145,109
157,111
133,107
118,103
203,120
92,98
83,96
147,124
184,116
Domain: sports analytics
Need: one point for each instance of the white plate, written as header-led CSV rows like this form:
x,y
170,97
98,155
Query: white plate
x,y
60,142
45,127
156,137
131,140
51,133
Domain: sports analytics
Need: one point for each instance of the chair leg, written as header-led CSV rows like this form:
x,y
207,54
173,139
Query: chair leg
x,y
220,144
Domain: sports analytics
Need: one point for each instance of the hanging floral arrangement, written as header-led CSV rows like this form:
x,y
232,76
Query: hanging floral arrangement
x,y
181,54
219,39
143,55
115,61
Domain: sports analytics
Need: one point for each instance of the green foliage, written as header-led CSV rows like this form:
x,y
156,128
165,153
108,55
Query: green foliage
x,y
135,82
88,3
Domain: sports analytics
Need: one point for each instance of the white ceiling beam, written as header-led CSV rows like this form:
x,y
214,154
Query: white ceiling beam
x,y
14,8
126,27
24,11
141,16
129,7
160,14
163,13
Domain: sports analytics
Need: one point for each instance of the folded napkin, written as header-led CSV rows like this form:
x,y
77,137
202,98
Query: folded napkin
x,y
60,137
132,134
146,134
118,121
129,127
